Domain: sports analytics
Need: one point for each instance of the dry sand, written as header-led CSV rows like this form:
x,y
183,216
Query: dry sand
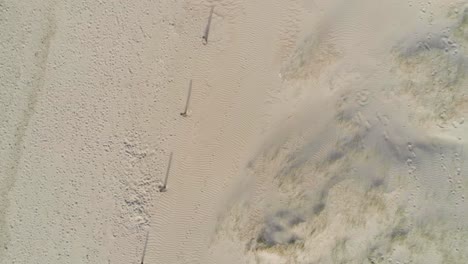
x,y
318,131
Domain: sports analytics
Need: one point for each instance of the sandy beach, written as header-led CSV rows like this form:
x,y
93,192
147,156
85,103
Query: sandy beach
x,y
316,131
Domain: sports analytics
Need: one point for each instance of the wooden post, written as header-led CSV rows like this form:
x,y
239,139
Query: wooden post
x,y
164,187
184,114
144,249
207,29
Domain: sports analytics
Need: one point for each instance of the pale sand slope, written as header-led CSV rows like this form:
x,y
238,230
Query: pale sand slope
x,y
369,163
345,148
88,120
91,95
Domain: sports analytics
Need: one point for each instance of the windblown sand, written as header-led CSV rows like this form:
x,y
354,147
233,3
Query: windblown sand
x,y
318,131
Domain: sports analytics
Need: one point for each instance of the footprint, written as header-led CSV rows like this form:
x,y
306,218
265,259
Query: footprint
x,y
362,97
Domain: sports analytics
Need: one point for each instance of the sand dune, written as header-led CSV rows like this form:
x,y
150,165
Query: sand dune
x,y
317,132
380,180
